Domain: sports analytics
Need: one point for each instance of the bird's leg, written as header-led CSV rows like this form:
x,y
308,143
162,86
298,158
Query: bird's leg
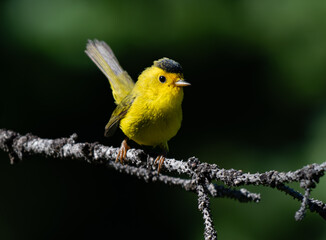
x,y
122,151
160,160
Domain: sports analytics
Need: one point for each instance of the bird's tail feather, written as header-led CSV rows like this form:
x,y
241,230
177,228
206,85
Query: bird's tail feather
x,y
102,55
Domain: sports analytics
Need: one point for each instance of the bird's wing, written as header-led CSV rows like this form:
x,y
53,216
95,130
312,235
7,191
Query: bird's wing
x,y
119,112
104,58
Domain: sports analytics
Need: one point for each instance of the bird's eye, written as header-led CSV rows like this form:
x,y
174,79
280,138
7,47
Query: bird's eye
x,y
162,79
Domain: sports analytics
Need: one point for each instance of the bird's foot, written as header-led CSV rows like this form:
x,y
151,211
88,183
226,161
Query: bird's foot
x,y
122,152
160,160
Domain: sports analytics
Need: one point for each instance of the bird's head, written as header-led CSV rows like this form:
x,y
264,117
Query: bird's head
x,y
164,76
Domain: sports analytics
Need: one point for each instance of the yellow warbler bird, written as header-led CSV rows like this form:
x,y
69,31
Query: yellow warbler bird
x,y
148,111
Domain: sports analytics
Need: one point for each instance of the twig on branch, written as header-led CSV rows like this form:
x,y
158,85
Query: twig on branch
x,y
313,204
203,206
200,175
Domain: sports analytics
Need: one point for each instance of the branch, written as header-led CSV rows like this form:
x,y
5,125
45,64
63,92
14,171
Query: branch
x,y
313,204
203,206
200,175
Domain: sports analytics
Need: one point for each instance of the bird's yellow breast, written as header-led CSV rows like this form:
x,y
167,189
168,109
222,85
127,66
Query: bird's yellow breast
x,y
154,117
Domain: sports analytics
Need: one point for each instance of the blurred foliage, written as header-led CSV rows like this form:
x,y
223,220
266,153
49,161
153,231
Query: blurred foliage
x,y
257,102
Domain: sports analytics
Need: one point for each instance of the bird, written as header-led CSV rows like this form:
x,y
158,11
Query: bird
x,y
149,111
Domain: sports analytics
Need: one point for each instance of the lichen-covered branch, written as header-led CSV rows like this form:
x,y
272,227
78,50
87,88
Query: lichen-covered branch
x,y
203,206
313,204
200,175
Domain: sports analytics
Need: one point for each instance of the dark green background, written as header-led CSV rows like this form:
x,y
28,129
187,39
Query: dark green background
x,y
257,102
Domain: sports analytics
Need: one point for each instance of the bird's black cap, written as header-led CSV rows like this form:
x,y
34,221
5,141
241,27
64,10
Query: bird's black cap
x,y
168,65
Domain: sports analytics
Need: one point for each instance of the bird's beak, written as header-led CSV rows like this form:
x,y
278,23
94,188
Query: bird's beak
x,y
181,83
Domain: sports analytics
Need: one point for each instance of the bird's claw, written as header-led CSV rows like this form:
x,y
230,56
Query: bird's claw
x,y
122,152
160,160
